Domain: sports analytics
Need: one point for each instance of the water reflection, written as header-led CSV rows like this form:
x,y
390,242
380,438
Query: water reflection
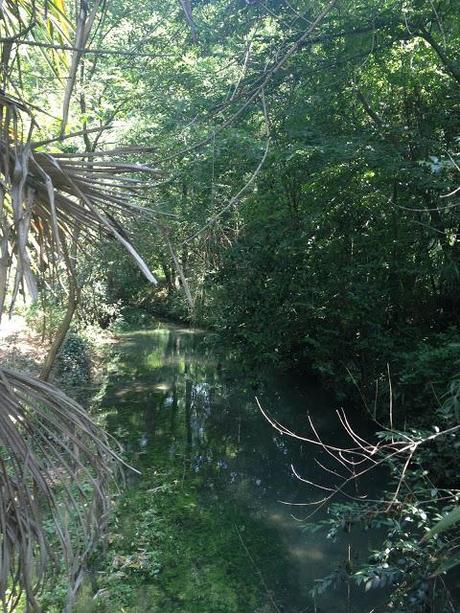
x,y
168,395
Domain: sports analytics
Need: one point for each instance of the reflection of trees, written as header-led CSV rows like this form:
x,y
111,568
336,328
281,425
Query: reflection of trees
x,y
187,406
229,441
173,405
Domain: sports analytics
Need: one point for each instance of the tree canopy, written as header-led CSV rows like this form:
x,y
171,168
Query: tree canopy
x,y
285,172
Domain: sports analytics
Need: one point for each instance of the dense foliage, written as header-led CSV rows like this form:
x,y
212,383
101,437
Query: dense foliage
x,y
304,205
342,257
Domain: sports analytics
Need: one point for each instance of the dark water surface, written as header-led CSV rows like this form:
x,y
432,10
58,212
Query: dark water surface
x,y
174,403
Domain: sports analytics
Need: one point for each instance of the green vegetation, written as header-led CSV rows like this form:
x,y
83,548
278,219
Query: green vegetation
x,y
418,520
180,553
282,173
184,553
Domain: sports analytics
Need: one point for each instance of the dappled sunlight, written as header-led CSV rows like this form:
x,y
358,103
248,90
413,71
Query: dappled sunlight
x,y
134,388
164,387
307,553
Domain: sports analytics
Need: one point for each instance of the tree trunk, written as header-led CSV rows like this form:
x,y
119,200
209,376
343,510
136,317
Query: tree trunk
x,y
180,271
74,298
448,65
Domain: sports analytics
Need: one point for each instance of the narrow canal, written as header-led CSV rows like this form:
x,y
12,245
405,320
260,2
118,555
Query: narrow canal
x,y
216,496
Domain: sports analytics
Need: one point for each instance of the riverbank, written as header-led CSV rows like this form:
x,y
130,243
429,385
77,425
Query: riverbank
x,y
80,367
21,347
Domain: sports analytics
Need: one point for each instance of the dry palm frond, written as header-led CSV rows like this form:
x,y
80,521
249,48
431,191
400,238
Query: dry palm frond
x,y
55,464
44,199
49,196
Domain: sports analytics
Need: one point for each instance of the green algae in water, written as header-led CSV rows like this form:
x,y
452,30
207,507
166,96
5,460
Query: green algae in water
x,y
173,552
202,528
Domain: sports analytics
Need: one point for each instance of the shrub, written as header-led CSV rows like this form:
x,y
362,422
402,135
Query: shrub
x,y
73,363
425,373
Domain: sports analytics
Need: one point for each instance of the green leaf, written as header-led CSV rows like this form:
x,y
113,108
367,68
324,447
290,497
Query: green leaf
x,y
449,520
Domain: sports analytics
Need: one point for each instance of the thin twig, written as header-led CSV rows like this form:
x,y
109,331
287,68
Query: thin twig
x,y
257,569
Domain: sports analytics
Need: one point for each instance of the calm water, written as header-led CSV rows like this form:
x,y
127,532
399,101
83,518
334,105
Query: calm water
x,y
171,399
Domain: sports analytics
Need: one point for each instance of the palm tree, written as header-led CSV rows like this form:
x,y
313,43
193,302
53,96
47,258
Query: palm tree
x,y
55,463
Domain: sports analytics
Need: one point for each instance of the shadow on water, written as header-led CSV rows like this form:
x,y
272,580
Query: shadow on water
x,y
174,405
